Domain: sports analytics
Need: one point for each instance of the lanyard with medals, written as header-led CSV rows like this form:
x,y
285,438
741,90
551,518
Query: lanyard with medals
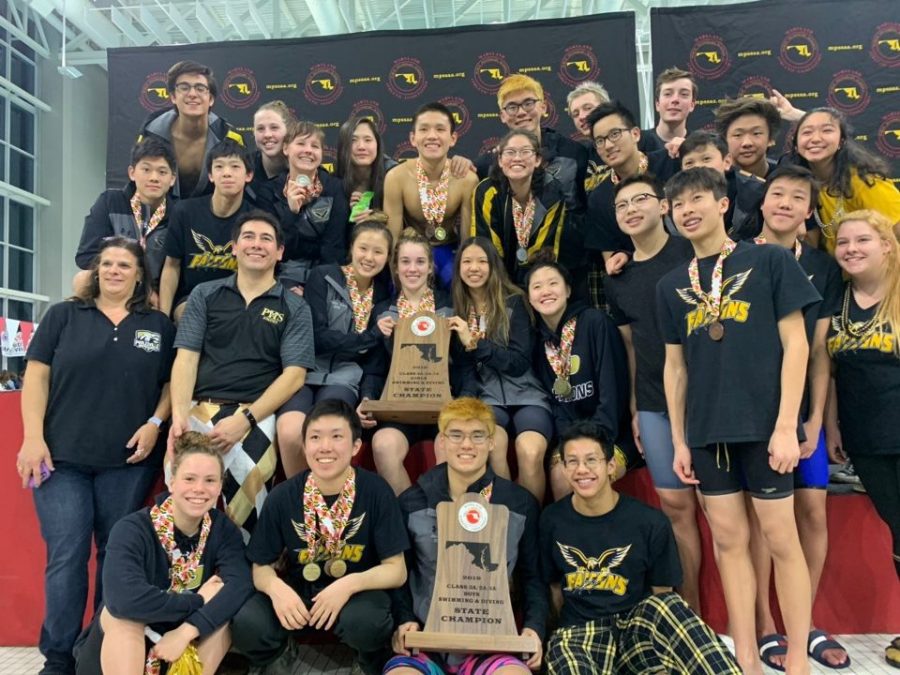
x,y
860,331
477,329
713,299
362,302
327,525
643,165
559,358
182,568
145,228
434,200
798,247
405,308
523,217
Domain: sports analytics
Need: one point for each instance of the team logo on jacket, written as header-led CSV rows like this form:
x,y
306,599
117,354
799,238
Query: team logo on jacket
x,y
147,340
212,255
800,51
154,95
239,90
595,574
349,552
729,308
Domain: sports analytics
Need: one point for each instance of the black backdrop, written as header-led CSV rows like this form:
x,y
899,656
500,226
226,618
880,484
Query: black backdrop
x,y
818,53
386,75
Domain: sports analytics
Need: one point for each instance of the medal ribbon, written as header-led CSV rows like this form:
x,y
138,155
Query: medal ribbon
x,y
798,247
362,302
523,217
643,165
182,568
487,491
476,328
138,212
405,308
331,522
315,188
433,198
559,357
713,299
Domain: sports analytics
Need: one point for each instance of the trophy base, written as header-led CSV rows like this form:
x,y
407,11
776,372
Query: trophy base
x,y
469,644
404,412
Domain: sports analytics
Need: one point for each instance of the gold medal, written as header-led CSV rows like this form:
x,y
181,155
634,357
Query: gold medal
x,y
336,568
440,233
311,572
716,331
562,387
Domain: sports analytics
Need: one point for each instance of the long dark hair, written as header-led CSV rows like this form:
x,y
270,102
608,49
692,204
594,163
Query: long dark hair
x,y
496,173
350,174
849,156
497,289
139,300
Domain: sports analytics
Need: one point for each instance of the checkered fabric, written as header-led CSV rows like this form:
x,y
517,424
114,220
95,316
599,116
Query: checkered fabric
x,y
660,634
249,465
596,278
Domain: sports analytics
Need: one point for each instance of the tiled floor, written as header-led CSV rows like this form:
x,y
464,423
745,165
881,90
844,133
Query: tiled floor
x,y
866,652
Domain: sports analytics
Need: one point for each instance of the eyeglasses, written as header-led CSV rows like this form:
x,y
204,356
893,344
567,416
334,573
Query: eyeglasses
x,y
613,137
636,201
457,437
513,108
185,87
524,153
590,463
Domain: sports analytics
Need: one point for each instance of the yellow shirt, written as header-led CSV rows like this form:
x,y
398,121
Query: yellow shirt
x,y
882,196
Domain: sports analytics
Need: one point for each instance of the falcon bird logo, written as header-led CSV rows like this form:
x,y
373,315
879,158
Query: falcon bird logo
x,y
595,574
212,255
349,552
729,308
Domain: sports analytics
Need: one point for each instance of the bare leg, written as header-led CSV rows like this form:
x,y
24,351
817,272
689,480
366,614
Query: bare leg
x,y
776,520
123,649
213,648
762,568
288,431
498,455
530,449
389,449
680,507
559,486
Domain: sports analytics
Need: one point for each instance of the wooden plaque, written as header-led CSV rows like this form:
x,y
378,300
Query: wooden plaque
x,y
470,609
418,383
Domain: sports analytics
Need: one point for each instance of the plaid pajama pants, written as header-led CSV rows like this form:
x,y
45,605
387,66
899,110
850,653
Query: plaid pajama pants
x,y
660,634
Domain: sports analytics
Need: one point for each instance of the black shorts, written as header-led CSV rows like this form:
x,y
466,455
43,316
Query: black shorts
x,y
522,418
414,433
726,468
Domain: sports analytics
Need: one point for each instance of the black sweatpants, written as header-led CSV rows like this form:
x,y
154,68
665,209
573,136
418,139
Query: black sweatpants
x,y
880,475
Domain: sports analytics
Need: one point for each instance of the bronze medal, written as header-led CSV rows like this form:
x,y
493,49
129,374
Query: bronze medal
x,y
311,572
440,233
336,568
716,331
562,387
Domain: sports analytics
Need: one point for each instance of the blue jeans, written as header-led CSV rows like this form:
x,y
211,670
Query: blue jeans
x,y
76,503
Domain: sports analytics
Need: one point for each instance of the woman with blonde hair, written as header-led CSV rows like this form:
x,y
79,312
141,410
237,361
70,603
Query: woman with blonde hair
x,y
861,418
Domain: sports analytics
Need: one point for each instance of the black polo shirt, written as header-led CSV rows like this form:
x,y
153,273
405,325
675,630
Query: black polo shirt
x,y
244,347
105,380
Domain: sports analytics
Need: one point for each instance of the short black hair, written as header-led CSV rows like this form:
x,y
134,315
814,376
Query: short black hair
x,y
644,179
589,430
798,173
335,407
613,107
543,259
228,147
732,109
438,107
191,68
152,147
257,214
701,179
700,139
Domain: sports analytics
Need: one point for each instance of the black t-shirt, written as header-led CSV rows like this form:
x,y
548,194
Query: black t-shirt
x,y
606,564
602,231
374,532
867,376
734,385
825,276
201,241
651,141
105,380
632,301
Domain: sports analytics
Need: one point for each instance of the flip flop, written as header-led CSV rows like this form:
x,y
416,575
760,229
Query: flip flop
x,y
892,653
818,643
771,645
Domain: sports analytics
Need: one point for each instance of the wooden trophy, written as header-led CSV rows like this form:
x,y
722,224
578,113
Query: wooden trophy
x,y
418,383
470,609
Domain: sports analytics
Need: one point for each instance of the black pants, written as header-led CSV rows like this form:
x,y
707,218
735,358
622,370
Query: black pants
x,y
880,475
365,625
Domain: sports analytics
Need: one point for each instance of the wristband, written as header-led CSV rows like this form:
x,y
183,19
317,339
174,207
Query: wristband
x,y
155,421
249,416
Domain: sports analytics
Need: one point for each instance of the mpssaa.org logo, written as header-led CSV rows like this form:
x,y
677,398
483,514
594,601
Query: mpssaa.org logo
x,y
885,49
757,87
460,112
800,51
848,92
709,57
578,64
489,71
154,95
239,89
323,84
371,110
406,78
888,140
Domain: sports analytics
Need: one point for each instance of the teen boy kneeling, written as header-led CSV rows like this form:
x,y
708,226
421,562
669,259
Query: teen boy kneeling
x,y
344,538
611,562
735,367
466,433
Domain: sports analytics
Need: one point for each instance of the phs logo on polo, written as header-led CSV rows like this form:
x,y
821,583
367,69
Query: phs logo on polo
x,y
272,316
147,340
